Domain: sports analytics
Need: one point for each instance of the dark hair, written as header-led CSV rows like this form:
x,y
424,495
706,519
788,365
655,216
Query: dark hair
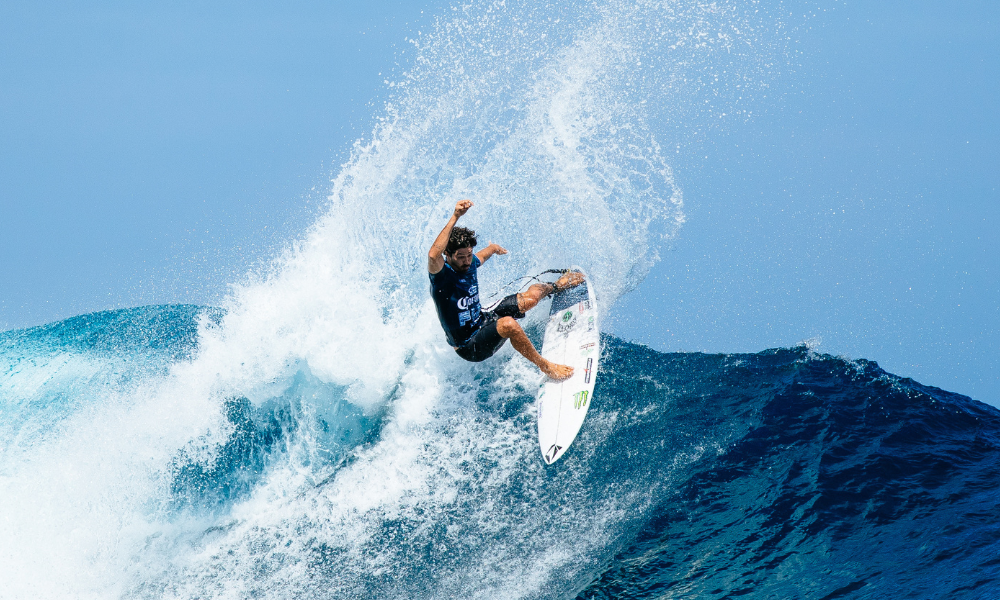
x,y
460,238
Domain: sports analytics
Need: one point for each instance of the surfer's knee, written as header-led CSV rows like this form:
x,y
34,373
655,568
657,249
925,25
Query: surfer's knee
x,y
508,327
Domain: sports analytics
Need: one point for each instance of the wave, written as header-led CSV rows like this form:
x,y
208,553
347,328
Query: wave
x,y
779,474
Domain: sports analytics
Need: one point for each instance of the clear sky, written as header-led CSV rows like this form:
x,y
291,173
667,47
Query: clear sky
x,y
152,153
860,207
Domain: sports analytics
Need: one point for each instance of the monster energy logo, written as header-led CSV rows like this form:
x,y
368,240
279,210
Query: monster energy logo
x,y
580,399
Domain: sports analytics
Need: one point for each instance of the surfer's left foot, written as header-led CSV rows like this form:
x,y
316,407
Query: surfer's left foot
x,y
557,372
567,281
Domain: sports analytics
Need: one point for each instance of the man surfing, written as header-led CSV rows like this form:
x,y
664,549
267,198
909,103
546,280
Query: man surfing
x,y
473,334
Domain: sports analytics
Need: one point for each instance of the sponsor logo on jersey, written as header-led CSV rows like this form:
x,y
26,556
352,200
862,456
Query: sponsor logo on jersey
x,y
467,301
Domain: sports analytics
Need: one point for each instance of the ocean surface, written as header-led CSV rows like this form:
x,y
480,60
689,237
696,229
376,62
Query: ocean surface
x,y
781,474
314,436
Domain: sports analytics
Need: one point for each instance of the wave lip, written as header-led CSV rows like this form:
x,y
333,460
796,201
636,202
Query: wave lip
x,y
50,372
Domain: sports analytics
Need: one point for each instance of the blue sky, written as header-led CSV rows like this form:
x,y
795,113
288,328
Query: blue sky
x,y
859,207
154,153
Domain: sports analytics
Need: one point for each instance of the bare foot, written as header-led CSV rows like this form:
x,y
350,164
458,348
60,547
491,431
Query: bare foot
x,y
557,372
569,280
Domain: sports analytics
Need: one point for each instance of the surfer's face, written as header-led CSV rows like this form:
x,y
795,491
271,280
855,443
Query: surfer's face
x,y
461,260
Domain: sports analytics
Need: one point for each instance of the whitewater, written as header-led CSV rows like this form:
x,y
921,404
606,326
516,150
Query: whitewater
x,y
315,437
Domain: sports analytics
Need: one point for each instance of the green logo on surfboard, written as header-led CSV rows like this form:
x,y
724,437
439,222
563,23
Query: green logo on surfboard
x,y
580,399
568,322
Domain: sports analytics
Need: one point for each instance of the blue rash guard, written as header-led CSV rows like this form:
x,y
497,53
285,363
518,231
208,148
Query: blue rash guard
x,y
457,300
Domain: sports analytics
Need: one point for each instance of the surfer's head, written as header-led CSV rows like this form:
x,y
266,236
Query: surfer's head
x,y
458,252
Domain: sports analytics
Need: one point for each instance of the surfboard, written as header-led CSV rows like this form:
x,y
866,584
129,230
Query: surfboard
x,y
572,337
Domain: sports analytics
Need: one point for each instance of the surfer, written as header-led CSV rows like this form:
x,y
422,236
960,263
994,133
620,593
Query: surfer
x,y
476,335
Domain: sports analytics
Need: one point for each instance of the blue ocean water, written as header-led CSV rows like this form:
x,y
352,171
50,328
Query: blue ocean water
x,y
781,474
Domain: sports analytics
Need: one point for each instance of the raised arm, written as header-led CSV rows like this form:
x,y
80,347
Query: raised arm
x,y
435,257
489,251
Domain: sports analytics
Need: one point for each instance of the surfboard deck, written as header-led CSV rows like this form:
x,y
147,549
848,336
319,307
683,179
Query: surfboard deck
x,y
572,337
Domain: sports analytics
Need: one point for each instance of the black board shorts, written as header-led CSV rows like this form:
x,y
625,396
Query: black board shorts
x,y
485,342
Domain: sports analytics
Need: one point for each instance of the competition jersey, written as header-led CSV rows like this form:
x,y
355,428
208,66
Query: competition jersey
x,y
457,300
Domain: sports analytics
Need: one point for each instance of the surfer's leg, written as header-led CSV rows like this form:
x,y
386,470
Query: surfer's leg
x,y
510,329
530,298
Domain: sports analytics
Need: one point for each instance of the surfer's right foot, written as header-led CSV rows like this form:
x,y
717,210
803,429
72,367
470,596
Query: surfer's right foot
x,y
567,281
556,372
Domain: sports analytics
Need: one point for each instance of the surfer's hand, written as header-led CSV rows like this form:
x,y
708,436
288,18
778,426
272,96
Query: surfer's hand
x,y
462,207
497,248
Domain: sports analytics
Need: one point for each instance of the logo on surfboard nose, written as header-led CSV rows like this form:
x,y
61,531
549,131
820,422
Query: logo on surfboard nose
x,y
567,323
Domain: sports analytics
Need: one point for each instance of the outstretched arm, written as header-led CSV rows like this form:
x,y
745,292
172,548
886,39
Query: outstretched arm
x,y
435,257
489,251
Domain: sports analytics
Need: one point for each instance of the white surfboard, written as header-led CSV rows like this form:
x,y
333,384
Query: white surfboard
x,y
572,338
